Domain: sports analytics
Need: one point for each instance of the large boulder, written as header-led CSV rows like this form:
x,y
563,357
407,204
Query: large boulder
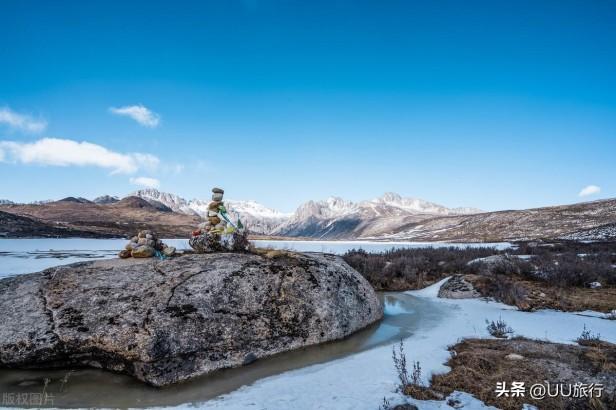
x,y
171,320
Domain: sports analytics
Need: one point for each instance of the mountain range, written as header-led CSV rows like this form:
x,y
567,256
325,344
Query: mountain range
x,y
389,217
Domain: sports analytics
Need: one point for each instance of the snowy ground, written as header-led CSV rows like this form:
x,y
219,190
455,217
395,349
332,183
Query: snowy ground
x,y
362,380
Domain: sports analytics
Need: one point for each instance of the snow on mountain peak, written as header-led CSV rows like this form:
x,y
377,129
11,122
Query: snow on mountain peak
x,y
255,209
261,219
332,207
256,217
416,205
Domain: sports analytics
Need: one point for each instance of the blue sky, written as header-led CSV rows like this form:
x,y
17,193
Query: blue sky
x,y
483,104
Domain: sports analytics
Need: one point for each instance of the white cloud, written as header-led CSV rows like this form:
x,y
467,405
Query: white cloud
x,y
21,122
589,190
139,113
62,152
146,182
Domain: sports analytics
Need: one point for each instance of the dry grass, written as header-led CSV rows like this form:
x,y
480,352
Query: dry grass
x,y
478,364
531,295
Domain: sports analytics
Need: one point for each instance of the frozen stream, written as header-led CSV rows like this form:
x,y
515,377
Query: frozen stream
x,y
355,373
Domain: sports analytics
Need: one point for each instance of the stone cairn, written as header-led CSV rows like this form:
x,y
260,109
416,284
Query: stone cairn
x,y
218,233
146,245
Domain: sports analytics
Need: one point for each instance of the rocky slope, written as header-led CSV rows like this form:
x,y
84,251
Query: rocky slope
x,y
168,321
529,224
118,219
337,219
15,226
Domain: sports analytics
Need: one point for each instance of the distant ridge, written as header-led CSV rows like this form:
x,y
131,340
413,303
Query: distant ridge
x,y
106,199
389,217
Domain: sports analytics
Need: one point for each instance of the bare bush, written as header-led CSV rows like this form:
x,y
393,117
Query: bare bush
x,y
562,264
499,329
385,405
588,338
399,359
411,384
402,269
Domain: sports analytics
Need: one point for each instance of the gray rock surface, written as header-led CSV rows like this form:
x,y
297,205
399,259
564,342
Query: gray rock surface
x,y
168,321
458,288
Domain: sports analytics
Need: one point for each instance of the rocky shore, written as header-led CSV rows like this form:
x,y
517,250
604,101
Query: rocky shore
x,y
168,321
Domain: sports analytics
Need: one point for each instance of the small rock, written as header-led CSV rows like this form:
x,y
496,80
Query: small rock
x,y
169,251
214,205
143,252
249,358
406,406
455,403
514,356
125,253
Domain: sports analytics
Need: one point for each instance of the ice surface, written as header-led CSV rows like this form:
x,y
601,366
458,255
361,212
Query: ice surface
x,y
362,380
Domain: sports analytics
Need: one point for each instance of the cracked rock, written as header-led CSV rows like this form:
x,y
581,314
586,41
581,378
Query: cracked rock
x,y
168,321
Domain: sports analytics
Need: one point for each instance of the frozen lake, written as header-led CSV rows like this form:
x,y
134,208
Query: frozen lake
x,y
32,255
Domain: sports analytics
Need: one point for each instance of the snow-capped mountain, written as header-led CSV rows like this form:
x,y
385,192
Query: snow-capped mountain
x,y
416,205
389,217
330,218
337,218
6,202
173,201
258,218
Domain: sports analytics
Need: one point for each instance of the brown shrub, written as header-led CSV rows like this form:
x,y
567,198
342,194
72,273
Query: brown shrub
x,y
478,364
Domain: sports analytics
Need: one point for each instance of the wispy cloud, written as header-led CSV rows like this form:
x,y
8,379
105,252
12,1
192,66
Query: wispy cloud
x,y
63,152
589,190
139,113
146,182
21,122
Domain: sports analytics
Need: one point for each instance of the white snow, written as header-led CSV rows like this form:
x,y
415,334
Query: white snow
x,y
416,205
255,209
258,218
362,380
